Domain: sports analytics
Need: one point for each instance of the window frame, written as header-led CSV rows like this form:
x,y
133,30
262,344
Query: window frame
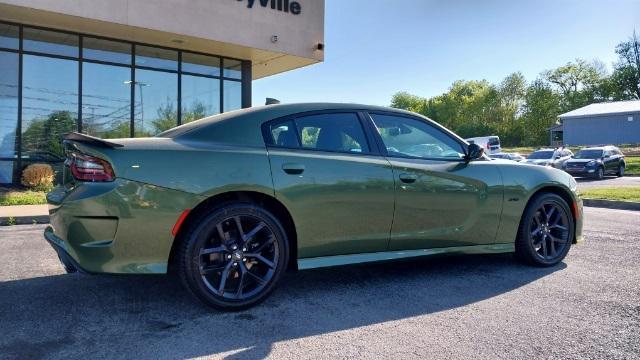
x,y
360,115
437,127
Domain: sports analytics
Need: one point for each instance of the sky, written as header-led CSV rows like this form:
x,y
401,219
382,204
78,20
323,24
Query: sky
x,y
375,48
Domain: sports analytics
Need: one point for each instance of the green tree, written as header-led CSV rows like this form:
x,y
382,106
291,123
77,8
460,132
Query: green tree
x,y
626,75
540,112
45,134
579,82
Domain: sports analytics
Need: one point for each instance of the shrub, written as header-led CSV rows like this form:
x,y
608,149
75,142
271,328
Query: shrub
x,y
38,177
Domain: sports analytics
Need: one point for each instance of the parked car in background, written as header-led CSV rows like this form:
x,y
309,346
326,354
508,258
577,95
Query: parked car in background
x,y
490,144
596,162
508,156
549,157
231,201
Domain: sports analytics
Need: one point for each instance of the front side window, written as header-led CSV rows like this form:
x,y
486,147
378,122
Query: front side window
x,y
407,137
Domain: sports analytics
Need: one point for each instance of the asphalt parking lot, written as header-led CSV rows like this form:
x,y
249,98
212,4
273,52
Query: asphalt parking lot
x,y
456,307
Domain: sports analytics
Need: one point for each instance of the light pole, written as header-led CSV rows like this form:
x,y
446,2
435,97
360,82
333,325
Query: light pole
x,y
140,86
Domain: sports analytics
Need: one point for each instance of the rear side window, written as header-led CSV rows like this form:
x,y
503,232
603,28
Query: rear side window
x,y
340,132
332,132
283,134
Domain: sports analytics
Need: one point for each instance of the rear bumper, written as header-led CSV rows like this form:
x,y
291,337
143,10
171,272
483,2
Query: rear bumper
x,y
121,227
70,264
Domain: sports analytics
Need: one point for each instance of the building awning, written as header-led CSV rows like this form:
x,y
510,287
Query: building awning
x,y
557,127
273,41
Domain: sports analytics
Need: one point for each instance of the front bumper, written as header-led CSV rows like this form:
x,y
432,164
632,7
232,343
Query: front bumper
x,y
580,172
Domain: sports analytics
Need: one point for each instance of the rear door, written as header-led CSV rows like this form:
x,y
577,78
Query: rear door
x,y
610,161
441,200
337,186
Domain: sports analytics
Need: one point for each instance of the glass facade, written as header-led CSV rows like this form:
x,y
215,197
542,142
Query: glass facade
x,y
54,82
8,113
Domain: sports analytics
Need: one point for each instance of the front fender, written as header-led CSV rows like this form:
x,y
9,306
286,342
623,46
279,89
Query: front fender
x,y
521,183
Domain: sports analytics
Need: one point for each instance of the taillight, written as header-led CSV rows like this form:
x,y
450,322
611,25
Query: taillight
x,y
90,168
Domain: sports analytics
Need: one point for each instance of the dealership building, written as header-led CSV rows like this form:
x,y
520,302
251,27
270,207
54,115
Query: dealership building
x,y
129,68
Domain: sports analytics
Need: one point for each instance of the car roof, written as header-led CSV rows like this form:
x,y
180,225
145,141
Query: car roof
x,y
243,127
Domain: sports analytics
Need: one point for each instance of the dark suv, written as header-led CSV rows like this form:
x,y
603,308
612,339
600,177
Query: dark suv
x,y
596,162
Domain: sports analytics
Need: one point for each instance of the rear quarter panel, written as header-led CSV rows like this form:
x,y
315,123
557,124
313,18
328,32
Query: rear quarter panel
x,y
126,226
195,167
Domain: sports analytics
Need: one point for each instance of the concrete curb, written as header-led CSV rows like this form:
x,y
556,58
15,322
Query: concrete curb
x,y
612,204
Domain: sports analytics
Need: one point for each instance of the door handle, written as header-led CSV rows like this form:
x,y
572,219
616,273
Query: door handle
x,y
408,178
293,169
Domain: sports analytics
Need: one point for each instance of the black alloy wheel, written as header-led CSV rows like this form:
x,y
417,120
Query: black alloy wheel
x,y
234,257
620,172
546,231
600,173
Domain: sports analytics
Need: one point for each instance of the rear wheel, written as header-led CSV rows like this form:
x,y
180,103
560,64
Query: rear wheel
x,y
620,172
233,258
546,231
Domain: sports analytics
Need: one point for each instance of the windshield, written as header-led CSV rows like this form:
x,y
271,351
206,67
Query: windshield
x,y
588,154
547,154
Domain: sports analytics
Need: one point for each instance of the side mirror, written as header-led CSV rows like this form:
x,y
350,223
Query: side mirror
x,y
607,156
474,151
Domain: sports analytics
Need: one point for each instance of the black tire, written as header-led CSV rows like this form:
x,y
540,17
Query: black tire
x,y
620,172
599,173
545,236
212,248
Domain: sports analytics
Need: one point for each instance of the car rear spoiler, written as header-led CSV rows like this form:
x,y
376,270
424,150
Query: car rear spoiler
x,y
92,140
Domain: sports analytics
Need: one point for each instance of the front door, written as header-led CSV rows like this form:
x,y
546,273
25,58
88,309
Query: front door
x,y
339,191
441,200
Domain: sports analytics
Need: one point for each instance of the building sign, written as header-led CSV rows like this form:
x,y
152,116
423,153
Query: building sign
x,y
287,6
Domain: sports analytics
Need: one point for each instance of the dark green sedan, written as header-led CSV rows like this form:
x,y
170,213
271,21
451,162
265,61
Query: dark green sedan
x,y
232,201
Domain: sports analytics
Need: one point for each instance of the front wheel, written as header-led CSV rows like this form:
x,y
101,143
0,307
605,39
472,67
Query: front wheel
x,y
233,258
620,172
600,173
546,231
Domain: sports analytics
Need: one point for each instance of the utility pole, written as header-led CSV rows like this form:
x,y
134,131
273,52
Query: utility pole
x,y
140,86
